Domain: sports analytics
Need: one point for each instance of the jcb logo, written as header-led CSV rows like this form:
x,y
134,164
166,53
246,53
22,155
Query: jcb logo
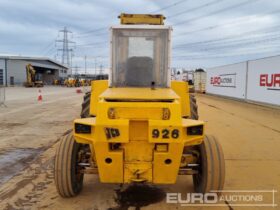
x,y
112,132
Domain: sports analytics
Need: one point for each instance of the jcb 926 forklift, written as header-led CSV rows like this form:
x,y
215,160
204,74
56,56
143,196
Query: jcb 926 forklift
x,y
139,126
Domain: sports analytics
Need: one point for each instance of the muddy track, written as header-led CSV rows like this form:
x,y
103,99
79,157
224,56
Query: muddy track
x,y
13,161
29,184
31,173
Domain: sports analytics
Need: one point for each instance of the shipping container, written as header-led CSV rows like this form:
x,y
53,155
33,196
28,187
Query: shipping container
x,y
264,80
229,80
188,76
199,81
254,80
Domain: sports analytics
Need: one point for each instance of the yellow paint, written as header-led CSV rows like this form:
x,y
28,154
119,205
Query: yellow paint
x,y
139,94
181,88
97,87
136,113
141,19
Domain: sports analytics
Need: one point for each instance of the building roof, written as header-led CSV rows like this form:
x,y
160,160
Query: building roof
x,y
13,57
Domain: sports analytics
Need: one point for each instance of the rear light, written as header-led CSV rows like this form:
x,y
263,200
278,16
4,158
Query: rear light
x,y
81,128
195,130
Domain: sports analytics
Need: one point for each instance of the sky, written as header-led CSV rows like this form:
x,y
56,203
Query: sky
x,y
206,33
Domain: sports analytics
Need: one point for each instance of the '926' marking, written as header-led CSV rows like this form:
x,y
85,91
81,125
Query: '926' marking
x,y
165,133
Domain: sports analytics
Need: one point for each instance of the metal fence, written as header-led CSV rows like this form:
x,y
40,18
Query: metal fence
x,y
2,95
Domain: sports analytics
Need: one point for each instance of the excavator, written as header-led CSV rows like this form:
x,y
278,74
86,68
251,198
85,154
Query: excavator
x,y
31,79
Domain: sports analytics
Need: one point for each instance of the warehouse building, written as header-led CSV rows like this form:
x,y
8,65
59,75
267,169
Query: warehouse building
x,y
13,69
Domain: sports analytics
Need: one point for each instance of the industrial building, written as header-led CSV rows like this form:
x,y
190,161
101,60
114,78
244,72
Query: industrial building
x,y
13,69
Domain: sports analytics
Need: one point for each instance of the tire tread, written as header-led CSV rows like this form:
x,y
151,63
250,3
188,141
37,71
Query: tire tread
x,y
213,166
63,166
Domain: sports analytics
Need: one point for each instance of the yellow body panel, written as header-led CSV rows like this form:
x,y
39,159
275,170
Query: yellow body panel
x,y
167,173
124,130
181,88
139,94
97,87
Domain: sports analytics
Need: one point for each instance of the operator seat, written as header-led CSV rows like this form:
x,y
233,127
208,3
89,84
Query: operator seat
x,y
139,71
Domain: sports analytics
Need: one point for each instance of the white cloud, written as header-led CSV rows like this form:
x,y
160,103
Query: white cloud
x,y
30,27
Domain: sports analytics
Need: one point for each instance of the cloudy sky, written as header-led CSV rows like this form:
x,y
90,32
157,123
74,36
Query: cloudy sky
x,y
205,32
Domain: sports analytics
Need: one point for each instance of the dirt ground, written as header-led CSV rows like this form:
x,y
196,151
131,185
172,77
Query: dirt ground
x,y
30,130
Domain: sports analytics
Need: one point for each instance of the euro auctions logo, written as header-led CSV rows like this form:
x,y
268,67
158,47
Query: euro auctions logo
x,y
271,81
224,80
226,198
215,80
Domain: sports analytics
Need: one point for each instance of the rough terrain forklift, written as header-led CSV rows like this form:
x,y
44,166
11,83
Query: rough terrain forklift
x,y
139,126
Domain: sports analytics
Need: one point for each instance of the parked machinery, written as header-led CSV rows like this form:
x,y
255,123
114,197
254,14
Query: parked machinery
x,y
139,126
196,80
72,82
32,79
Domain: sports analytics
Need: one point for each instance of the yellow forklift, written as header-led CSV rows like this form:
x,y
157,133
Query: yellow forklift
x,y
139,126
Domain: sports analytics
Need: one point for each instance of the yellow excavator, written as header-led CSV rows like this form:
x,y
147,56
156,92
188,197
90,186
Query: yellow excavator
x,y
31,79
139,126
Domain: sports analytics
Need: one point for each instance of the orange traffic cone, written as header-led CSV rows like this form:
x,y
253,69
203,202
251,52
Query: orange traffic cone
x,y
78,90
40,97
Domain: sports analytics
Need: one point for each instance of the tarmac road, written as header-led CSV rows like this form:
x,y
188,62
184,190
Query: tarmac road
x,y
249,135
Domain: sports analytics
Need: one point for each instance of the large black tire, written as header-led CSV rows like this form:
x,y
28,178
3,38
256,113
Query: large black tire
x,y
193,107
67,173
211,170
86,106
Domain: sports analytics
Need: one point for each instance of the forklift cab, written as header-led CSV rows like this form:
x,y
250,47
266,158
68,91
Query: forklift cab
x,y
140,56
